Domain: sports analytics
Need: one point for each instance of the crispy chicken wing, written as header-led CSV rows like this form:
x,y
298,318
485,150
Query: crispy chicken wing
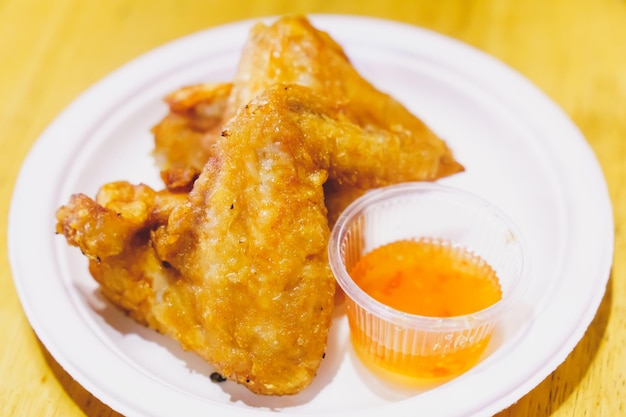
x,y
114,233
184,138
292,51
251,241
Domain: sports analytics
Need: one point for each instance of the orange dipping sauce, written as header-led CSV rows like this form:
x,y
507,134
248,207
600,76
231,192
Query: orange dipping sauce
x,y
428,278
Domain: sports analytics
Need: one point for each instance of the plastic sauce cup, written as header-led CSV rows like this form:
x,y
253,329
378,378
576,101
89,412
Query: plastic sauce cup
x,y
424,347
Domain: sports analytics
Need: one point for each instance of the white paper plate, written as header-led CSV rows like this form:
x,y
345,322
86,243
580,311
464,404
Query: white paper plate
x,y
521,152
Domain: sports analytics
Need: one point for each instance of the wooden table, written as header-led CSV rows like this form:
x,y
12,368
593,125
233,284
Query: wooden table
x,y
574,50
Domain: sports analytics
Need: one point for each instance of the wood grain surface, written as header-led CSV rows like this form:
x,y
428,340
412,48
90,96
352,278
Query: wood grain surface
x,y
573,50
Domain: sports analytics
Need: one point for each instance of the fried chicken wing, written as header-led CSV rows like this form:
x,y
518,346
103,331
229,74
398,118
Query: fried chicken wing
x,y
185,137
113,232
251,241
292,51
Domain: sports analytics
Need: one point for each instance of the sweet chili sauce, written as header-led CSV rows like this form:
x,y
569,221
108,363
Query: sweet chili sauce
x,y
427,278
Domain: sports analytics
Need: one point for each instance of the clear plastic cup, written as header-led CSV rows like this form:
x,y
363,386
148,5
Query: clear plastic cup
x,y
419,346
